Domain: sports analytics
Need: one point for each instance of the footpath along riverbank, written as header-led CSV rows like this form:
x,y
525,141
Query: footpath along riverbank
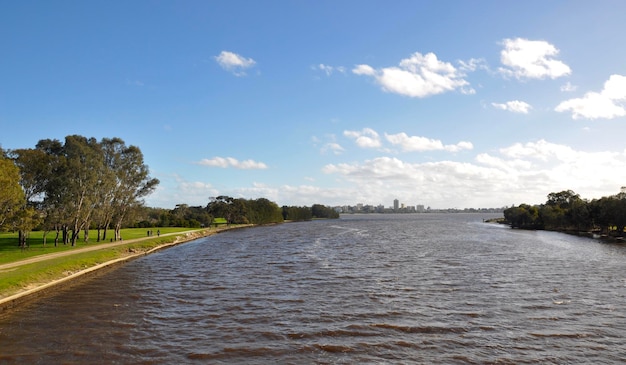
x,y
33,290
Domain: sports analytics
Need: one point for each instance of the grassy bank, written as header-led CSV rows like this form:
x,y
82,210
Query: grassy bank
x,y
10,252
29,277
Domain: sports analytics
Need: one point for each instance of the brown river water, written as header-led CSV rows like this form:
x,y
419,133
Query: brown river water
x,y
374,289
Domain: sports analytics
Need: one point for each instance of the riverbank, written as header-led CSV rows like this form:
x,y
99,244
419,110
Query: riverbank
x,y
37,276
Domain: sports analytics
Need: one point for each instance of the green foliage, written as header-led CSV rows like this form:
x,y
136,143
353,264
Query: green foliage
x,y
18,278
523,216
80,183
321,211
305,213
9,250
263,211
243,211
11,194
566,211
297,213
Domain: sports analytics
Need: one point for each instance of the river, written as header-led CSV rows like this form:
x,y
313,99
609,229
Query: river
x,y
391,289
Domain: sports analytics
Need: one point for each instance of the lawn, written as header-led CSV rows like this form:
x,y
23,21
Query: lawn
x,y
9,250
16,279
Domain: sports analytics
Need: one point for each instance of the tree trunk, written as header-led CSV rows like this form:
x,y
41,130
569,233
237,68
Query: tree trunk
x,y
118,228
22,236
65,235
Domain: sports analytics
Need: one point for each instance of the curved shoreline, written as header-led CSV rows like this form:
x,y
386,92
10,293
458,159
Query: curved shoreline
x,y
15,300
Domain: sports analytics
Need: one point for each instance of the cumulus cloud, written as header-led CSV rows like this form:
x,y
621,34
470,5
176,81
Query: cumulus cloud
x,y
417,143
226,162
418,76
518,173
366,138
234,63
522,172
540,150
515,106
524,58
606,104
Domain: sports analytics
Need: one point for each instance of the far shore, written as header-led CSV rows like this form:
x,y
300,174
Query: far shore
x,y
32,291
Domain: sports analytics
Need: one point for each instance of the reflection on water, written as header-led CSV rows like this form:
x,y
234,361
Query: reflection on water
x,y
421,288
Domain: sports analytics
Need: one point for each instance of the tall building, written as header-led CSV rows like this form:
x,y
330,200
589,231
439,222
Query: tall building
x,y
396,204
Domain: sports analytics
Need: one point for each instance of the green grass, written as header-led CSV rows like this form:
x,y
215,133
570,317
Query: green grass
x,y
10,252
22,277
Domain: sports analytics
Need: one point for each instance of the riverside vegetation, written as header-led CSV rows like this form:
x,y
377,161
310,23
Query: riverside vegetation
x,y
61,195
566,211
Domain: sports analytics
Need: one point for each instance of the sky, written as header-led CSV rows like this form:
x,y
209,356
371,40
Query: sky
x,y
446,104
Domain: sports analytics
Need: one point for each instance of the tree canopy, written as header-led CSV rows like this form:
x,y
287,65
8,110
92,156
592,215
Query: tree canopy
x,y
11,194
567,211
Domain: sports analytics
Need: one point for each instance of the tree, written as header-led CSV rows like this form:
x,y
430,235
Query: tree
x,y
52,183
562,199
263,211
11,194
321,211
132,182
524,216
81,173
297,213
231,209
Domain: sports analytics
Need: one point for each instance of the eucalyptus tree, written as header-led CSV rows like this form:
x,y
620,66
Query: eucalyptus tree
x,y
233,210
263,211
34,170
111,151
53,185
81,177
132,182
11,194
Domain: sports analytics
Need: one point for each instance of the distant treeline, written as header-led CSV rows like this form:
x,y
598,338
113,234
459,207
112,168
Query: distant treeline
x,y
233,210
566,211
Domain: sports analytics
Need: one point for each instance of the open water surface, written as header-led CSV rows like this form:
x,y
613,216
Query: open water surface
x,y
390,289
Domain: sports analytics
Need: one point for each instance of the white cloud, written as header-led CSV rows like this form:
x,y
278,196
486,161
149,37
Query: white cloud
x,y
522,172
417,143
367,138
531,59
515,106
234,63
473,64
606,104
333,147
225,162
418,76
174,189
540,150
518,173
329,69
364,70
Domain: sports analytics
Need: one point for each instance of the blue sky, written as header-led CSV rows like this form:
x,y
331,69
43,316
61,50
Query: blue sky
x,y
441,103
